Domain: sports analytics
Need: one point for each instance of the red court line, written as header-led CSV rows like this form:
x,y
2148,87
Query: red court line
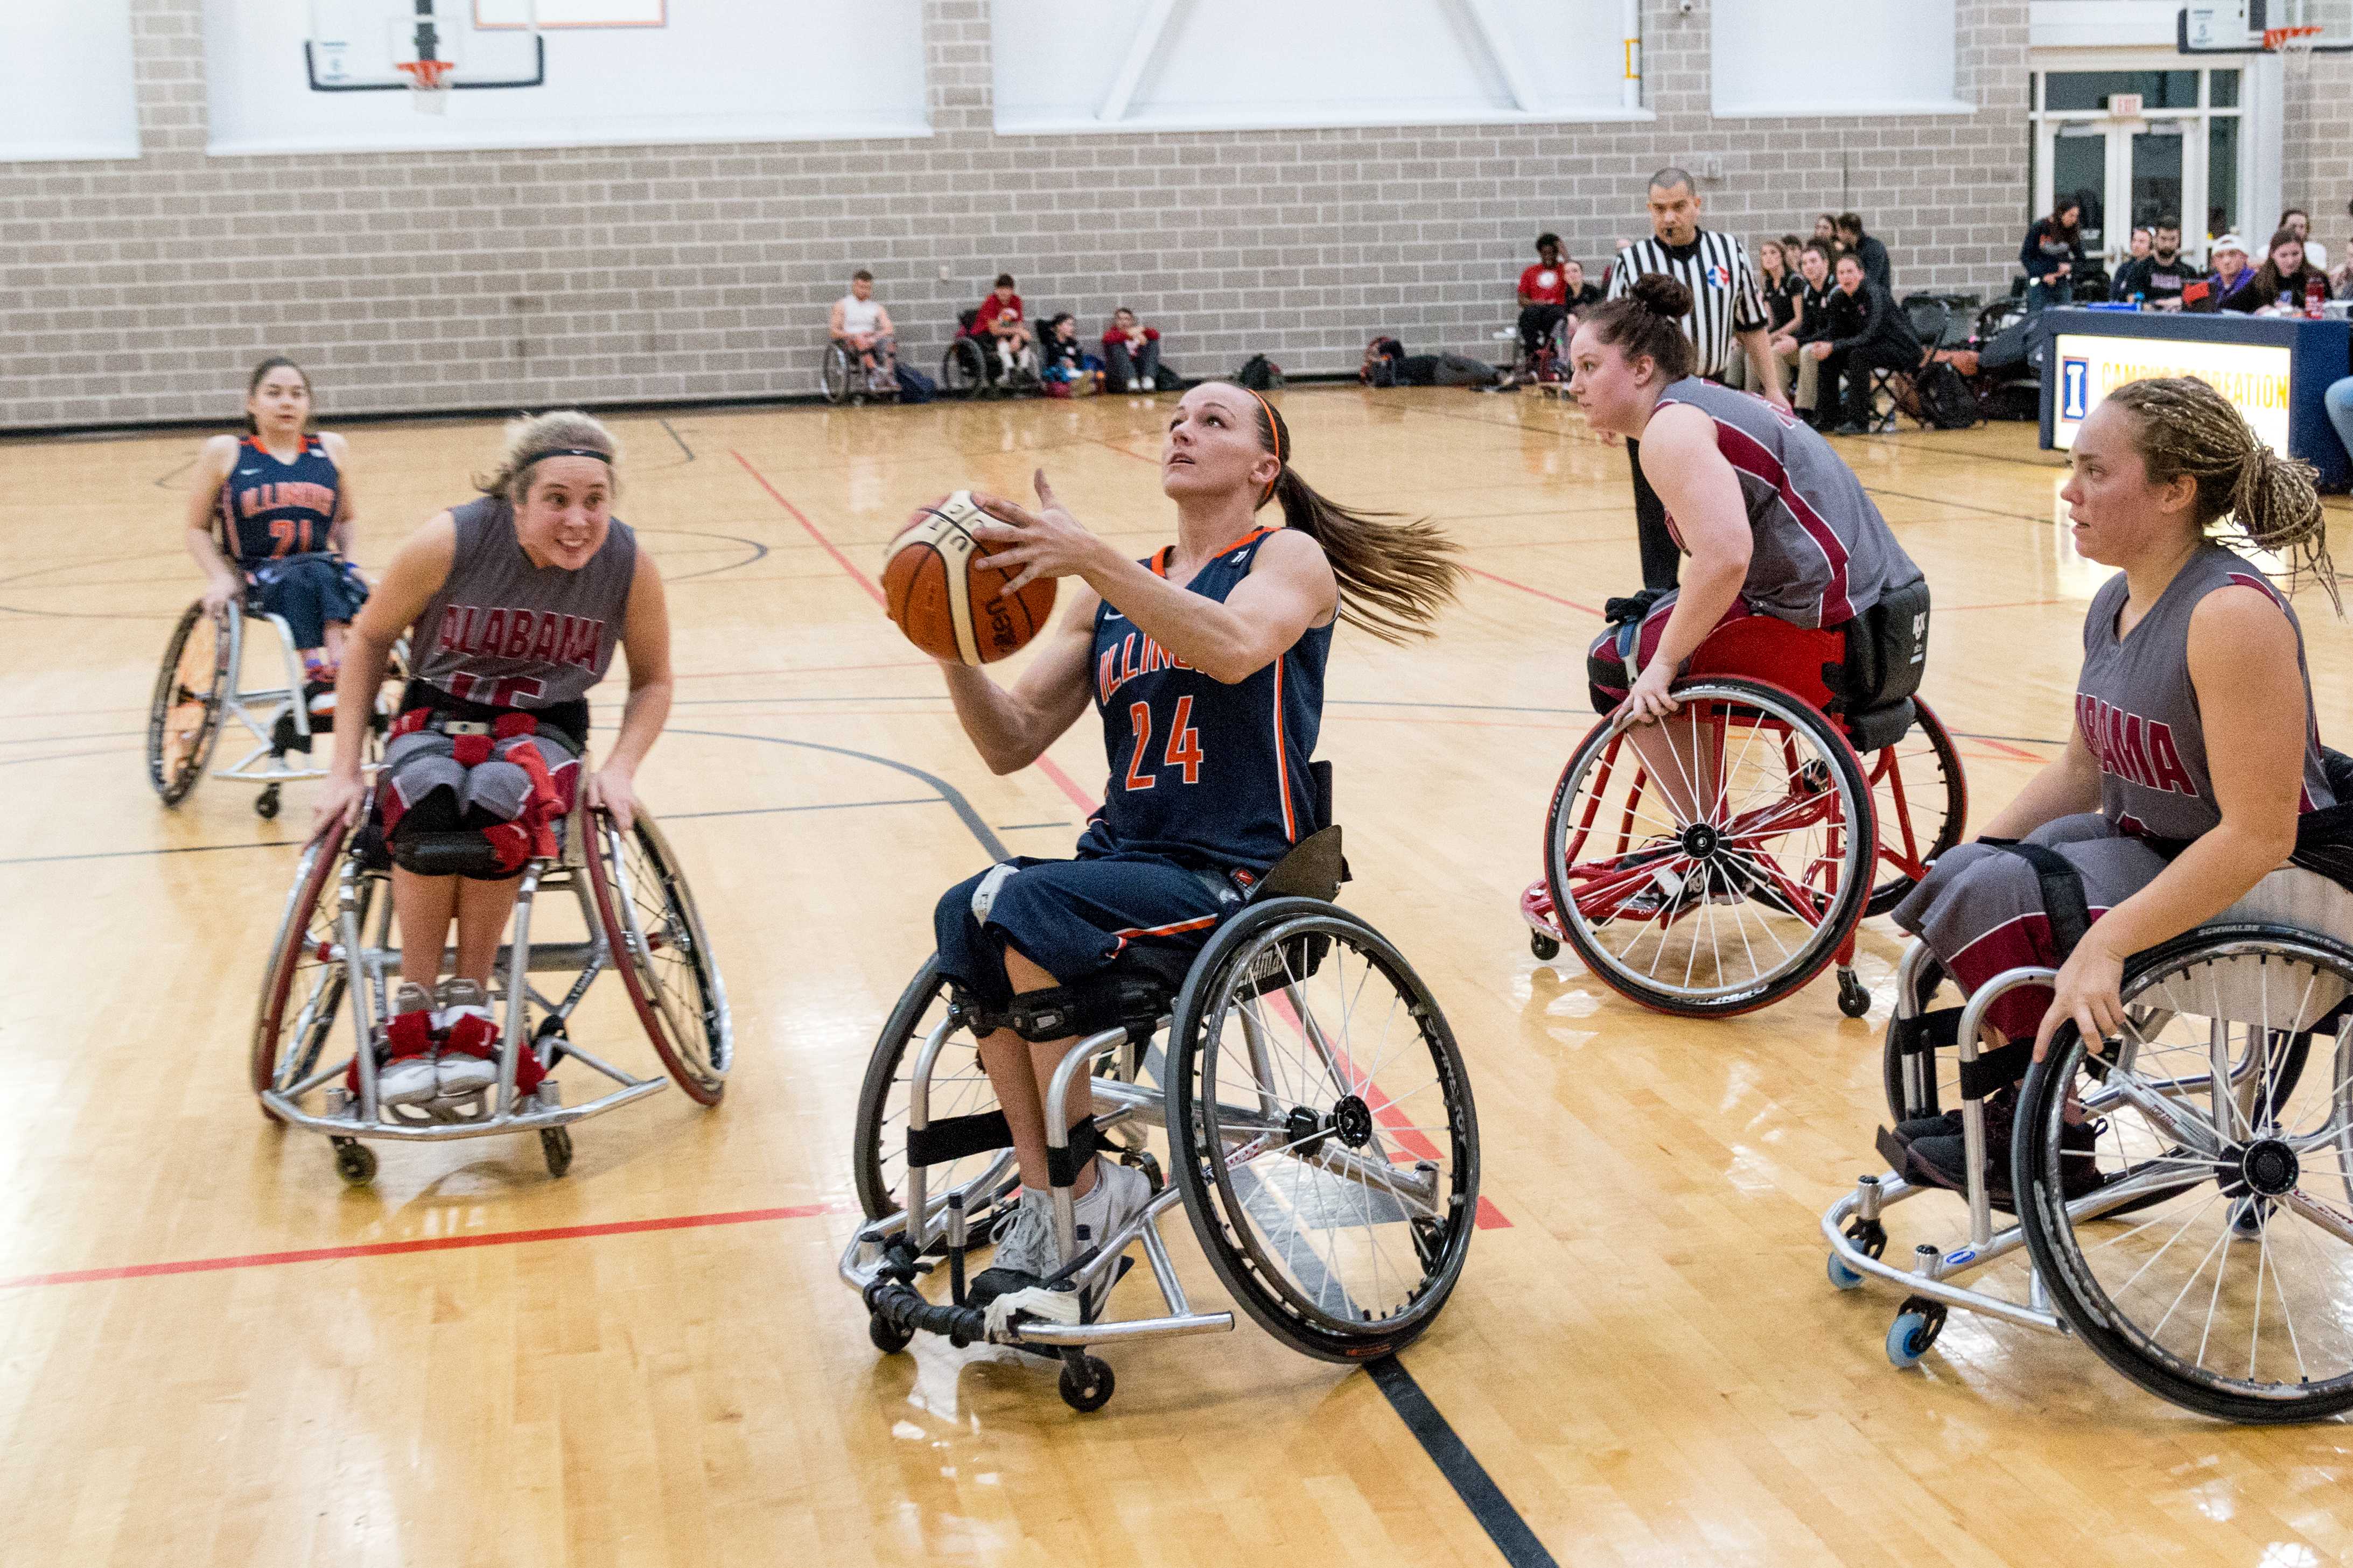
x,y
1079,797
1539,593
1137,455
430,1244
2014,750
839,558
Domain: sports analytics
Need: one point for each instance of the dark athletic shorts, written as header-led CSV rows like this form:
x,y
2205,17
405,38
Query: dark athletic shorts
x,y
1072,918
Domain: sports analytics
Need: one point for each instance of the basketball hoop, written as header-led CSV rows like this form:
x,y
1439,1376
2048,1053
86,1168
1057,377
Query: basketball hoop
x,y
2291,40
428,82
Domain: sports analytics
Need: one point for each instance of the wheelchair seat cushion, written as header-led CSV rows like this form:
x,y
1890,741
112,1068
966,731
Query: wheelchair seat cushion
x,y
1075,919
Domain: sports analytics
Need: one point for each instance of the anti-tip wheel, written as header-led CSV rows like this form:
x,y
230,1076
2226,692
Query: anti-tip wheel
x,y
1855,1000
555,1143
354,1162
1088,1390
1915,1329
891,1338
265,805
1542,946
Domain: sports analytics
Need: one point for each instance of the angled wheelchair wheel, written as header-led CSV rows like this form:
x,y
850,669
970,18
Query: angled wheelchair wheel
x,y
184,716
1321,1130
837,373
964,371
1733,901
662,952
1921,805
2184,1189
960,1087
303,986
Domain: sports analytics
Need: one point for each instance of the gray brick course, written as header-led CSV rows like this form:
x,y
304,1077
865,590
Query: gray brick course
x,y
141,291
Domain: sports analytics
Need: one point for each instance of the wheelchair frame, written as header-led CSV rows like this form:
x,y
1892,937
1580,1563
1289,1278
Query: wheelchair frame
x,y
229,699
363,948
1856,1238
854,384
884,1256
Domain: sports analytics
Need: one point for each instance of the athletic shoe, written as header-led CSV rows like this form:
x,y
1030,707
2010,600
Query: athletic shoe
x,y
469,1037
1851,428
1120,1193
1942,1160
1671,893
1025,1250
1137,383
408,1077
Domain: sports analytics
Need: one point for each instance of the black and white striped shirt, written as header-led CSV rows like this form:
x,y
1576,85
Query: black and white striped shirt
x,y
1725,295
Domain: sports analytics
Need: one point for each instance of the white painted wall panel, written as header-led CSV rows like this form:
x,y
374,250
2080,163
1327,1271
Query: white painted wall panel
x,y
66,84
1865,56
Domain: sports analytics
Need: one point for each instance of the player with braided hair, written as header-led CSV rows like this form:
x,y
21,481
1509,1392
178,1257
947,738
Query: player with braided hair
x,y
2195,759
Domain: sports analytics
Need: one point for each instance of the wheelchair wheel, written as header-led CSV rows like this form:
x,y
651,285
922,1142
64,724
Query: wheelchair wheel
x,y
959,1087
1922,803
2225,1292
1321,1127
660,947
302,988
1731,906
184,718
837,373
963,370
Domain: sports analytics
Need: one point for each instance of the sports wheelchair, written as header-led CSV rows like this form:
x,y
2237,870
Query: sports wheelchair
x,y
1317,1114
202,680
1744,901
335,943
2183,1192
844,380
971,367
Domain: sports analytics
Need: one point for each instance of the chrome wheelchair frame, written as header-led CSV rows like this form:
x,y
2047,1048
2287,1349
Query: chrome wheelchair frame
x,y
335,942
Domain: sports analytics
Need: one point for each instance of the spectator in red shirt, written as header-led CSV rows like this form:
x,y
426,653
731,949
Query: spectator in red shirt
x,y
1543,296
1000,322
1133,352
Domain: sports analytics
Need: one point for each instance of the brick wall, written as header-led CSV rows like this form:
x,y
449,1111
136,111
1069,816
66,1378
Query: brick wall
x,y
138,291
2316,150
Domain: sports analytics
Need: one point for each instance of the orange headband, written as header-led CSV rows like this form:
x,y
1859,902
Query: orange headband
x,y
1274,428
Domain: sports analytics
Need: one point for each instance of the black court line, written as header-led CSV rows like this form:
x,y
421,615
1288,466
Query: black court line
x,y
1959,505
677,437
1025,826
944,790
1460,1466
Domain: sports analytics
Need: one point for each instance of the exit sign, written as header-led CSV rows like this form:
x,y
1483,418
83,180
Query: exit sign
x,y
2125,105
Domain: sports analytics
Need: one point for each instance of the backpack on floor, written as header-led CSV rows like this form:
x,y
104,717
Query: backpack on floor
x,y
1259,373
914,386
1379,365
1942,398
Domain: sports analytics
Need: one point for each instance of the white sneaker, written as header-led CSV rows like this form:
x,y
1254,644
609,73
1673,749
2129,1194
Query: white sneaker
x,y
1024,1250
1136,384
1119,1195
468,1030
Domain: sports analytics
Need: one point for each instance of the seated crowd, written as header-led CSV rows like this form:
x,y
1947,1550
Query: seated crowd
x,y
1058,360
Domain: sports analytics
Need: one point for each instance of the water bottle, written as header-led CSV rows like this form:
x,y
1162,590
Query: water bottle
x,y
2315,291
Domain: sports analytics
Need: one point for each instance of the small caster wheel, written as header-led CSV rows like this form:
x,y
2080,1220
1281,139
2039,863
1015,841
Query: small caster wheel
x,y
1842,1277
555,1143
550,1040
1144,1163
1915,1329
265,805
354,1162
889,1338
1853,1000
1086,1383
1542,946
1869,1237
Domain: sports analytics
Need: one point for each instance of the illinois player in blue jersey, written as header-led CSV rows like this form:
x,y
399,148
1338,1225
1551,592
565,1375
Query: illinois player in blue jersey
x,y
272,509
1206,661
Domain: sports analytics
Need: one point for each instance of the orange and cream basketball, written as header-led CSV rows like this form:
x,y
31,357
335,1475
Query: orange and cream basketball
x,y
941,590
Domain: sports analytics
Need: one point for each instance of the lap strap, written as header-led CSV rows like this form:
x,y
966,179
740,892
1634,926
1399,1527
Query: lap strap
x,y
2062,894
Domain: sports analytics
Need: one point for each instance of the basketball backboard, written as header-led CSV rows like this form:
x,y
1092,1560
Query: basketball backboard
x,y
391,45
2251,26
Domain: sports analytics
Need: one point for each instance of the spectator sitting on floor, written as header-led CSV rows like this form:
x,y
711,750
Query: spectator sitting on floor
x,y
2282,280
1132,351
1066,358
860,325
1868,331
2052,248
2156,282
1872,254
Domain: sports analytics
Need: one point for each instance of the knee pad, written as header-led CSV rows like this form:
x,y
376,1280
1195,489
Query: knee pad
x,y
423,783
494,792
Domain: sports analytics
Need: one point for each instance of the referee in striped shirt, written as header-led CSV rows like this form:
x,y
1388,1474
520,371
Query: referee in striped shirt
x,y
1728,306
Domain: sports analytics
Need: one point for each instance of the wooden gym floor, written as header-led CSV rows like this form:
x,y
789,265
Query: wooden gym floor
x,y
211,1352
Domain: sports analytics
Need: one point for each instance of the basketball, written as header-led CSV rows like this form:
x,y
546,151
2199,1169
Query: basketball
x,y
948,598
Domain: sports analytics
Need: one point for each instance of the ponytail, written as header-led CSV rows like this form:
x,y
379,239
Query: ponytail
x,y
2182,425
1395,574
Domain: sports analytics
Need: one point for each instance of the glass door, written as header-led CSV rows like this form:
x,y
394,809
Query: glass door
x,y
2155,166
2078,162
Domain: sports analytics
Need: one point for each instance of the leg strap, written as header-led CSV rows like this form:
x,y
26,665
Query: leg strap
x,y
1995,1070
1924,1034
1101,1002
2062,895
957,1137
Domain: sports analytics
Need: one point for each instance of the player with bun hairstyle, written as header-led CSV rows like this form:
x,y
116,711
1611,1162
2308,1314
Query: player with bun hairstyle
x,y
1206,661
2194,767
513,604
1785,547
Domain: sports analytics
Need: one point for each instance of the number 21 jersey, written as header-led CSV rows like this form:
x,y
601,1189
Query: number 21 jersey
x,y
1202,772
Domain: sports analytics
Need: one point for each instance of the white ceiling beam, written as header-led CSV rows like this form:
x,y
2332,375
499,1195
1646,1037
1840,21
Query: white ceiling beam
x,y
1142,50
1488,24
